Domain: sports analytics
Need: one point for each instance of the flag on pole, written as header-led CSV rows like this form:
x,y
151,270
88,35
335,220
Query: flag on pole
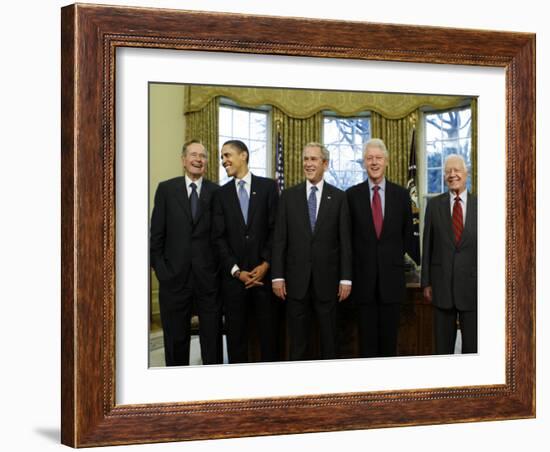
x,y
279,162
411,187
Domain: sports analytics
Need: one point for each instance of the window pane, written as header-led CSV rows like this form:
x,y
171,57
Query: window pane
x,y
330,177
434,181
344,138
450,147
433,127
346,153
447,133
257,154
249,127
258,126
433,153
241,124
226,121
450,125
465,123
464,146
330,131
363,131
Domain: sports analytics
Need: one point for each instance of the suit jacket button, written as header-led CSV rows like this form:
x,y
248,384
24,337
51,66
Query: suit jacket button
x,y
246,237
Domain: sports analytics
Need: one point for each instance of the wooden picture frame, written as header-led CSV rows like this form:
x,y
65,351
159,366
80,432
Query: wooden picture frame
x,y
90,36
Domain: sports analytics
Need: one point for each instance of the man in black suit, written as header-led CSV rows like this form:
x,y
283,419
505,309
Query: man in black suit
x,y
449,260
312,255
184,261
382,231
244,220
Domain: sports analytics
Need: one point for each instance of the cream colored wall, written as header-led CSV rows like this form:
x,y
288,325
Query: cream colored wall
x,y
166,138
166,134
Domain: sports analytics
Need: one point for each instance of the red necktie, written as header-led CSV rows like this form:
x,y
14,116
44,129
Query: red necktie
x,y
377,211
458,225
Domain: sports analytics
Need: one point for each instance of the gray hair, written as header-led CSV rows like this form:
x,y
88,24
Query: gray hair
x,y
376,143
458,157
189,143
324,151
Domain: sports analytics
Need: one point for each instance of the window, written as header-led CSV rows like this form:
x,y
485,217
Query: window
x,y
249,126
344,138
448,132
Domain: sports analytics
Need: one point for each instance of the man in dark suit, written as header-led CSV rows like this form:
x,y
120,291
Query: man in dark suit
x,y
382,231
449,260
244,220
311,266
184,261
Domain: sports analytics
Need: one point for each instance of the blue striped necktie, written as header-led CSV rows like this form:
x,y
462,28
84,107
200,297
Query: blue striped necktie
x,y
312,207
243,200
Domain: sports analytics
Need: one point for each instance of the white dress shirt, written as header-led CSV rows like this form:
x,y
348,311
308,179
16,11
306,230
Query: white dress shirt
x,y
188,183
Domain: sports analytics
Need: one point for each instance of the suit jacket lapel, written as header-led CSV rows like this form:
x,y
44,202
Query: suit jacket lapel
x,y
389,208
234,197
469,224
325,205
368,210
253,198
445,212
204,198
303,208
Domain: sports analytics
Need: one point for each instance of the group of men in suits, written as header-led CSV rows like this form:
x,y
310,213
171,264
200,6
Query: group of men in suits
x,y
240,251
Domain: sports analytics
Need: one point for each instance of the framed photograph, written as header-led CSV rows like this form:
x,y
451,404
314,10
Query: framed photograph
x,y
275,124
110,57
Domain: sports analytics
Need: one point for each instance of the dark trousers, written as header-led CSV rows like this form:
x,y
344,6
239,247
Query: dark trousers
x,y
239,305
176,299
299,318
445,327
378,328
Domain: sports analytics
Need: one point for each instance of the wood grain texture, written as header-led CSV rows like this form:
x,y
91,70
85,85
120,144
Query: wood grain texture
x,y
68,333
90,36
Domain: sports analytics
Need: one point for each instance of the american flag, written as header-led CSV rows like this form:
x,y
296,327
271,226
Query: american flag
x,y
411,186
280,168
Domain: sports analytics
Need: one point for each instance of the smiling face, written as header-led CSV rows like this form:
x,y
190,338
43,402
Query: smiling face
x,y
194,160
376,162
456,174
314,165
234,162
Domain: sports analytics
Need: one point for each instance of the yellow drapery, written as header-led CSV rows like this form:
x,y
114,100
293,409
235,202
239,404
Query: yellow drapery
x,y
295,134
302,104
203,125
297,114
396,134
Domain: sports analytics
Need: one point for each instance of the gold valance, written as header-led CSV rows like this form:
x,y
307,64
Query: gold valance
x,y
301,103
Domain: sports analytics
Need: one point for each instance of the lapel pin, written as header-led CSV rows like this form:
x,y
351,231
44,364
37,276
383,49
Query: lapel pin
x,y
328,197
253,192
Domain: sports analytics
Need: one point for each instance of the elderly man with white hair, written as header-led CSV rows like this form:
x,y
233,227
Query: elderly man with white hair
x,y
382,232
449,260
